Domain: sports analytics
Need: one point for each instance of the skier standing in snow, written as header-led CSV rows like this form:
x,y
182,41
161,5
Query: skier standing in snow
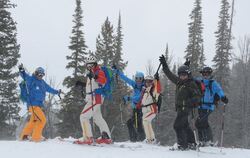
x,y
212,94
96,79
187,97
149,105
36,88
134,124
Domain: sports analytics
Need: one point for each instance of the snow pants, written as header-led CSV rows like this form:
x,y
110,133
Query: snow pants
x,y
135,127
182,129
93,109
204,130
34,127
149,114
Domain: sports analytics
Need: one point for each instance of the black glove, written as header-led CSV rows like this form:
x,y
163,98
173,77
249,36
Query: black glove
x,y
163,60
20,67
224,99
59,91
187,62
114,67
156,76
92,75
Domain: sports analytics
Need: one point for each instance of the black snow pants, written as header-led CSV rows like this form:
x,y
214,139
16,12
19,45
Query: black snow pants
x,y
183,131
135,126
204,130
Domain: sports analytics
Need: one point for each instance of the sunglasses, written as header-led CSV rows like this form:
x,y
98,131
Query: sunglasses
x,y
205,73
40,74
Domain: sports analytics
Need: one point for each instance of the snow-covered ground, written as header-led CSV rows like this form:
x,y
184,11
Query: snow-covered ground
x,y
64,149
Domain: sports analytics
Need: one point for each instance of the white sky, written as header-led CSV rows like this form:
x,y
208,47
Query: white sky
x,y
44,27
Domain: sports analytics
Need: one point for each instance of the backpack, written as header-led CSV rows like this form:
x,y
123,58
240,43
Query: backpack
x,y
23,92
107,89
202,88
158,102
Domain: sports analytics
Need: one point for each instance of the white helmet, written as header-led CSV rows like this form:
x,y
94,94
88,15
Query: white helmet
x,y
91,60
149,77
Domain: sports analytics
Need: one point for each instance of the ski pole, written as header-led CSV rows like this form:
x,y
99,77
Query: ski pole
x,y
158,68
222,126
194,130
136,120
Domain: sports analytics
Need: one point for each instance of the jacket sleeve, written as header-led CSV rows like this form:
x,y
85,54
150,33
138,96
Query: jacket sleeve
x,y
25,76
170,75
101,77
49,89
126,79
217,89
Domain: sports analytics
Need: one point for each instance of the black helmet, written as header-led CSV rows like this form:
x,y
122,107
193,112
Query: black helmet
x,y
184,69
207,69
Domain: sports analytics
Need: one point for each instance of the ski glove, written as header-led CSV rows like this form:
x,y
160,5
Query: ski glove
x,y
187,62
156,76
224,99
163,61
20,67
92,75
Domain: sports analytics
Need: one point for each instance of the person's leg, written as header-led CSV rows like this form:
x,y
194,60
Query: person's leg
x,y
85,116
180,126
140,130
148,116
131,129
100,122
28,129
39,124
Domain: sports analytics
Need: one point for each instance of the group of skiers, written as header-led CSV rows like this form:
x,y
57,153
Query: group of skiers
x,y
146,93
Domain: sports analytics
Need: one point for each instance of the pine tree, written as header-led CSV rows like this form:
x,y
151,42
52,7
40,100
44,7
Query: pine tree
x,y
9,55
118,61
109,52
195,51
73,102
223,45
105,44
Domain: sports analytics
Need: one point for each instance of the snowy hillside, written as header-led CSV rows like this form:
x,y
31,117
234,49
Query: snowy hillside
x,y
55,148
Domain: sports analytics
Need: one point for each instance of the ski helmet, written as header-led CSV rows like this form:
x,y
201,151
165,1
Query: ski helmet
x,y
207,69
139,74
184,69
91,60
40,71
149,77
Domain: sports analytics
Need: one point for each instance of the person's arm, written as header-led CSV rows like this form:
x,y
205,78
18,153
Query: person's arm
x,y
50,89
218,90
25,75
172,77
126,79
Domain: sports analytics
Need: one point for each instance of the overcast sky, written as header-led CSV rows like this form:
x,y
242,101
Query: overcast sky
x,y
44,27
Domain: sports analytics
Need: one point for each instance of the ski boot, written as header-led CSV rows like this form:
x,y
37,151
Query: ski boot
x,y
104,139
87,141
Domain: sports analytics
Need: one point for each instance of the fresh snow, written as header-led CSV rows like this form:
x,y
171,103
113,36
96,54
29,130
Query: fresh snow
x,y
65,149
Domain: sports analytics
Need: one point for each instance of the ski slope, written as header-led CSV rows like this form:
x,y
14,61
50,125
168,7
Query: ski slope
x,y
65,149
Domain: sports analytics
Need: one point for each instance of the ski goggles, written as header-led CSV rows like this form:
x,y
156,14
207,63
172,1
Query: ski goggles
x,y
138,78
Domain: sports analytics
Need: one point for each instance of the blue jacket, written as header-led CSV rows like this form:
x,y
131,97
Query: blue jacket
x,y
37,90
135,98
210,91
